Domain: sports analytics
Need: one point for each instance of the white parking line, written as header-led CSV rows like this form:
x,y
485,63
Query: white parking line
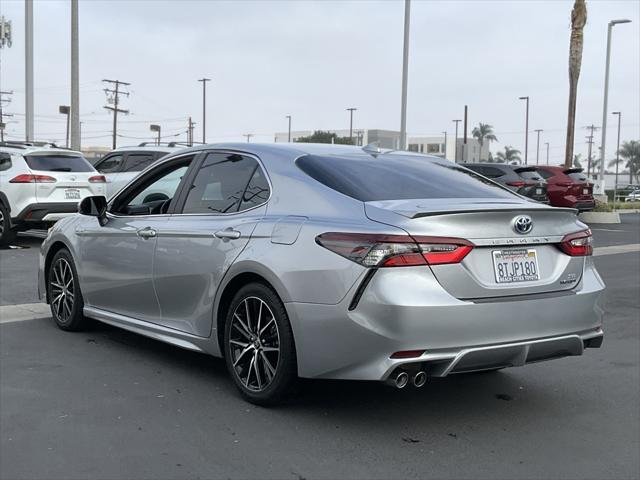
x,y
613,249
20,313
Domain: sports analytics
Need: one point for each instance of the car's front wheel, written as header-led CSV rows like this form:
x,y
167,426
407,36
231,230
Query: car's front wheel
x,y
65,297
259,346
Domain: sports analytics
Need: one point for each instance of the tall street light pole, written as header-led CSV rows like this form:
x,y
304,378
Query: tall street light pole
x,y
405,71
28,73
351,110
445,144
157,129
455,160
64,110
547,144
615,186
600,184
204,108
289,134
538,146
526,133
75,80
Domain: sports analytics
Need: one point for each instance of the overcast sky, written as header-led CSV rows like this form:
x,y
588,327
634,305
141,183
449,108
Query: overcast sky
x,y
313,59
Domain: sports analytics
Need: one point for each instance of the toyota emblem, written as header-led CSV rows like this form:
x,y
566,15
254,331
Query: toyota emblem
x,y
523,224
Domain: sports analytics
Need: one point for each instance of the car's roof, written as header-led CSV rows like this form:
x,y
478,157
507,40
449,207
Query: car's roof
x,y
25,149
490,164
150,148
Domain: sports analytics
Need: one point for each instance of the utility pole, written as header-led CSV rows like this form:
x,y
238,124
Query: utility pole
x,y
115,93
547,144
538,146
455,160
289,135
75,80
28,70
526,133
204,108
4,101
445,144
190,132
464,143
351,110
248,135
405,75
590,142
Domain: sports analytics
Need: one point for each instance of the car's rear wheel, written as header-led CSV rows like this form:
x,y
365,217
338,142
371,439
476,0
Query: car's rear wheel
x,y
64,292
6,234
259,346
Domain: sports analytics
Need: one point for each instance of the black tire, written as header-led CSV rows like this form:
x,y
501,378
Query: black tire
x,y
63,289
266,384
6,233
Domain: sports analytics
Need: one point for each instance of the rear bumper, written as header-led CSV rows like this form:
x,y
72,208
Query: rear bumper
x,y
407,309
45,212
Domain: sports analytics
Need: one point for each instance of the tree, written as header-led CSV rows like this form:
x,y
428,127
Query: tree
x,y
576,160
630,154
320,136
510,155
576,42
483,132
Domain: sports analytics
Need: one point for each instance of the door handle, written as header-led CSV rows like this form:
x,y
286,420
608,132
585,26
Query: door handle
x,y
228,234
147,233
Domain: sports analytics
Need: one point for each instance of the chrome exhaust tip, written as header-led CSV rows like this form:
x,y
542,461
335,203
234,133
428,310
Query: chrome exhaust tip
x,y
419,379
401,380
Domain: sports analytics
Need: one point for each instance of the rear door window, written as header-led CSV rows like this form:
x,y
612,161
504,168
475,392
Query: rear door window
x,y
58,163
395,177
226,183
136,162
110,164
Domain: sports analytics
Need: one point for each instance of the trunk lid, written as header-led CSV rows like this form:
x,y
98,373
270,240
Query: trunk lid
x,y
489,225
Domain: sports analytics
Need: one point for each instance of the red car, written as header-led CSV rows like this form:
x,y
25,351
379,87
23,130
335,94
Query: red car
x,y
568,187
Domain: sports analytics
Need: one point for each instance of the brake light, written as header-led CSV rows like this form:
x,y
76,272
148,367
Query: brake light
x,y
97,179
579,244
518,183
30,178
372,250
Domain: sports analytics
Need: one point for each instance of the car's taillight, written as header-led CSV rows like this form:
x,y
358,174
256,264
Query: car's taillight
x,y
30,178
372,250
97,179
579,244
564,184
518,183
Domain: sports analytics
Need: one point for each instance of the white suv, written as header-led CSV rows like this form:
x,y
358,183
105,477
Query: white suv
x,y
42,184
123,164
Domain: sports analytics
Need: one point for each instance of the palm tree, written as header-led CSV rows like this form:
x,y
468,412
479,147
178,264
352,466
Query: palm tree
x,y
509,155
578,20
483,132
630,153
576,160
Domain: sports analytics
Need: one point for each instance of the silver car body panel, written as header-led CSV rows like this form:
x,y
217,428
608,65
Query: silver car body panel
x,y
170,287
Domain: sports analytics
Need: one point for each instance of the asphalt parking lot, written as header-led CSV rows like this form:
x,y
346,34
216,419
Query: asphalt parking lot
x,y
110,404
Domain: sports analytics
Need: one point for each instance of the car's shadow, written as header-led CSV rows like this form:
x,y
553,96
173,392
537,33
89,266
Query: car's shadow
x,y
490,393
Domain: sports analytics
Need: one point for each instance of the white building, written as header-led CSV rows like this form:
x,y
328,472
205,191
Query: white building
x,y
391,139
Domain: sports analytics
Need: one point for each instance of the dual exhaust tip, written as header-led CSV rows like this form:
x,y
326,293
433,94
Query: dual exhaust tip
x,y
402,378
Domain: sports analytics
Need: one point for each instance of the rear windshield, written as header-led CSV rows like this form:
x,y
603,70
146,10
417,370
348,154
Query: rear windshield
x,y
578,177
398,178
58,163
530,175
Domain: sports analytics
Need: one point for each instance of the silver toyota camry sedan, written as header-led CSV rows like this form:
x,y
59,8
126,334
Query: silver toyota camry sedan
x,y
327,261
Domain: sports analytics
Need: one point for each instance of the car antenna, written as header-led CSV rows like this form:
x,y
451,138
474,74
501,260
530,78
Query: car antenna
x,y
372,149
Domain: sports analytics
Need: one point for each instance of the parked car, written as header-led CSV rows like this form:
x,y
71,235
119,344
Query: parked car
x,y
124,163
568,187
523,180
328,261
40,184
633,196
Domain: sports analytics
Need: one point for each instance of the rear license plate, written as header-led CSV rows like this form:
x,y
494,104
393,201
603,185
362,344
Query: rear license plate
x,y
72,194
516,265
538,191
585,191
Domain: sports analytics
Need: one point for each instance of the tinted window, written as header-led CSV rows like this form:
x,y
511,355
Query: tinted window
x,y
58,163
257,191
110,164
221,185
390,177
531,175
578,176
5,161
544,174
493,172
136,162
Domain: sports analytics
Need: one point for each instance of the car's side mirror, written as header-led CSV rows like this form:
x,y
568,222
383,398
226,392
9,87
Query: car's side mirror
x,y
94,207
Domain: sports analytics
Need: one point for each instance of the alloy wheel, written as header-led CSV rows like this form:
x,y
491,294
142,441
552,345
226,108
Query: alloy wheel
x,y
62,290
1,223
254,342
